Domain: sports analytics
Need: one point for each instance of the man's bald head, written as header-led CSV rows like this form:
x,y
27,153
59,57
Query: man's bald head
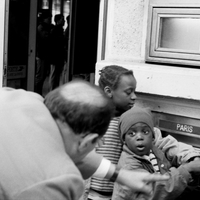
x,y
83,92
83,106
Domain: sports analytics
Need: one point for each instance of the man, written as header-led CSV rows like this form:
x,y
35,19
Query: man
x,y
43,50
57,51
41,140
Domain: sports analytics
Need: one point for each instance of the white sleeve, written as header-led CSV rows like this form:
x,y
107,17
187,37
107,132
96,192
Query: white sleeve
x,y
103,168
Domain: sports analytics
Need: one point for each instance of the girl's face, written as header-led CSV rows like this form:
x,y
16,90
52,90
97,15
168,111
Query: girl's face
x,y
139,139
124,95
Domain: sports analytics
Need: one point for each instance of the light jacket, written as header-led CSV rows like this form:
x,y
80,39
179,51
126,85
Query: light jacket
x,y
165,190
34,164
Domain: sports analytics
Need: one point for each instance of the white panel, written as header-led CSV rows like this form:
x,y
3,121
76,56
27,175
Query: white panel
x,y
2,29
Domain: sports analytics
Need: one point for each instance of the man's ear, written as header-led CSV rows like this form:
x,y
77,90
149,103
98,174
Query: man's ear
x,y
108,91
88,141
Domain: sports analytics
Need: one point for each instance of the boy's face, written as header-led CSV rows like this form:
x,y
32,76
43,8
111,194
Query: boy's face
x,y
139,139
124,95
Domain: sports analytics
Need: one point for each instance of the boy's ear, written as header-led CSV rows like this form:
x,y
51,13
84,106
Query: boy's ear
x,y
88,141
108,91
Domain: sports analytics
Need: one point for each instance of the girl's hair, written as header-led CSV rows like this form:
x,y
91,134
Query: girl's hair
x,y
110,76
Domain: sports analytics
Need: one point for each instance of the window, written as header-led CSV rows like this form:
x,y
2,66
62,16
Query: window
x,y
173,34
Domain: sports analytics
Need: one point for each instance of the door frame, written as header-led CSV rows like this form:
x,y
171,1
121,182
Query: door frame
x,y
4,9
4,20
32,45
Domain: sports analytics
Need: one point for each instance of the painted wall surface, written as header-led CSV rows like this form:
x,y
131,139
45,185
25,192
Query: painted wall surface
x,y
125,45
125,30
2,18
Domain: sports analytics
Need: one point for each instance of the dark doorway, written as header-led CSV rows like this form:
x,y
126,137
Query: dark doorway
x,y
83,37
17,38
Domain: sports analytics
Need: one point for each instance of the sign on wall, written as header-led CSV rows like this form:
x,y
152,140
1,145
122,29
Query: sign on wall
x,y
16,71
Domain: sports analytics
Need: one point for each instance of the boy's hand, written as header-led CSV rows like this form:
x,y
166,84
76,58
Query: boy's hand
x,y
197,158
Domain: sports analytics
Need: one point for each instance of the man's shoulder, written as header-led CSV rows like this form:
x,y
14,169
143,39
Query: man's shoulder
x,y
66,186
10,96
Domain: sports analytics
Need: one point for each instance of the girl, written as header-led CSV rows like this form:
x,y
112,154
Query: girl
x,y
119,84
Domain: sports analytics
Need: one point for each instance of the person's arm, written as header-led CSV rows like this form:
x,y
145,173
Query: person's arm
x,y
139,181
177,151
91,165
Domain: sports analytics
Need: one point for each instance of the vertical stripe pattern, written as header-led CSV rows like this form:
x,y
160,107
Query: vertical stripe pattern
x,y
111,149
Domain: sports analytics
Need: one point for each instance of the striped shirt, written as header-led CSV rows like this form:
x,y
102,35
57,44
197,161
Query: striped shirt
x,y
110,149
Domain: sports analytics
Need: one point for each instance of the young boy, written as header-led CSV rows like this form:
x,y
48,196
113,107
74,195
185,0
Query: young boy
x,y
119,84
136,129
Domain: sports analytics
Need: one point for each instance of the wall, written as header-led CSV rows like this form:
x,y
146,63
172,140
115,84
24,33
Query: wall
x,y
2,18
123,43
